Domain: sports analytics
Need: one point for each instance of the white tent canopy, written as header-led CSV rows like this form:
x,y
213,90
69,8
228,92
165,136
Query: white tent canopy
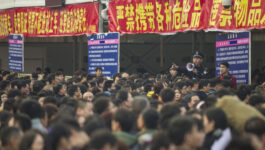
x,y
6,4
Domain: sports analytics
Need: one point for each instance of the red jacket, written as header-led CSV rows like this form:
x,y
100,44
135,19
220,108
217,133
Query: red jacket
x,y
233,79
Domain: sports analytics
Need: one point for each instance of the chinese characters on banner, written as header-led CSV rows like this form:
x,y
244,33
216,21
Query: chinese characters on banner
x,y
40,21
234,48
169,16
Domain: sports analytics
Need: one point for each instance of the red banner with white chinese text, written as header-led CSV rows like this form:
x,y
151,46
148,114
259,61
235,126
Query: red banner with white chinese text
x,y
169,16
41,21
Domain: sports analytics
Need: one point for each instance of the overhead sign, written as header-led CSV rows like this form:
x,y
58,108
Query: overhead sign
x,y
235,49
16,53
103,51
171,16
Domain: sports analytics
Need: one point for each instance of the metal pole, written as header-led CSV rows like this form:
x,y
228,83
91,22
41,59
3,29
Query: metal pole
x,y
100,23
161,52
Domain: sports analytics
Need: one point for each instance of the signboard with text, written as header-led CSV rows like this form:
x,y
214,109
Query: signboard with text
x,y
234,48
103,51
16,53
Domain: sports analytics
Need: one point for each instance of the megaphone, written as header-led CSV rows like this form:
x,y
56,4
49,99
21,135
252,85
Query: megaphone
x,y
190,66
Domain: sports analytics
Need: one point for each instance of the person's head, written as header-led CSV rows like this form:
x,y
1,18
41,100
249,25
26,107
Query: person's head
x,y
23,87
140,103
3,97
256,99
59,77
245,142
103,140
183,87
167,112
213,119
123,120
123,98
98,71
183,130
10,105
197,58
74,91
32,140
88,96
37,87
177,95
60,89
5,86
224,67
59,137
192,100
167,95
204,85
102,104
107,85
22,121
38,70
5,118
125,75
93,123
32,108
148,119
10,138
256,126
173,71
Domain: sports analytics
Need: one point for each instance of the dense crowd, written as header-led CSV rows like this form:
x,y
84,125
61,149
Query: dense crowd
x,y
129,111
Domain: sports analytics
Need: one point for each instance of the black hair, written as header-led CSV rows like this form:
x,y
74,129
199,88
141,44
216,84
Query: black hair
x,y
44,93
180,85
32,109
57,88
72,89
56,133
98,68
10,105
167,112
93,123
8,133
150,118
51,77
23,121
28,139
50,99
180,126
223,92
101,104
107,85
243,91
167,95
4,84
226,64
256,99
37,87
160,141
256,126
21,84
4,73
227,83
5,116
83,88
14,83
13,93
125,118
218,116
121,97
241,143
148,87
102,137
34,76
203,83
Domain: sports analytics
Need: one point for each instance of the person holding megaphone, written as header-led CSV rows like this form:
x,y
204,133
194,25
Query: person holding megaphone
x,y
194,70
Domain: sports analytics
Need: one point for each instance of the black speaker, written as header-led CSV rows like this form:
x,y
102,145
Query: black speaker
x,y
54,3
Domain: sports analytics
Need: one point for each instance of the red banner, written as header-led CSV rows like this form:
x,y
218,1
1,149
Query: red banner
x,y
41,21
170,16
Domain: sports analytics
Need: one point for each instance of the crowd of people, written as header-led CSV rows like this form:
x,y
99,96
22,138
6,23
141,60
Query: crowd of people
x,y
131,111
